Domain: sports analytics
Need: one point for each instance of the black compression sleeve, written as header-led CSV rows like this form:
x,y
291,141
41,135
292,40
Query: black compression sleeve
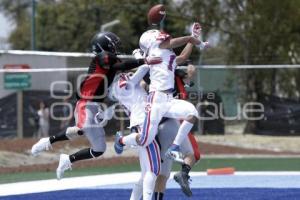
x,y
56,138
84,154
181,73
128,64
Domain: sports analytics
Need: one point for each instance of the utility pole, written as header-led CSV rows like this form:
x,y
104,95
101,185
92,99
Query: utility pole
x,y
33,12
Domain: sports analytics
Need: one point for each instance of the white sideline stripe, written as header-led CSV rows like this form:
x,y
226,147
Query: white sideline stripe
x,y
99,181
67,183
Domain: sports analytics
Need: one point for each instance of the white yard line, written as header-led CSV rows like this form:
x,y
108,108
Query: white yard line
x,y
67,183
115,180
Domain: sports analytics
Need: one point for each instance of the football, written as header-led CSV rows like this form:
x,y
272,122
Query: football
x,y
156,14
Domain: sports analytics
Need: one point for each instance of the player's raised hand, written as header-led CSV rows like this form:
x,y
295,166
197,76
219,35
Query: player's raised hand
x,y
203,45
99,117
196,30
153,60
138,54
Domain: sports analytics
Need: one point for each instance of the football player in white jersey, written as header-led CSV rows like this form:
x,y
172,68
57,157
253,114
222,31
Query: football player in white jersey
x,y
128,92
160,101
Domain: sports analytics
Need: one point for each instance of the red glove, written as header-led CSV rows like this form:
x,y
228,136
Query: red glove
x,y
153,60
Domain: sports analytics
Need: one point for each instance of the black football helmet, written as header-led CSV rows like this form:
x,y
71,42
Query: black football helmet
x,y
105,41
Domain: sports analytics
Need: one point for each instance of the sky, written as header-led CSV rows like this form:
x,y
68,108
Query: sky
x,y
5,25
5,29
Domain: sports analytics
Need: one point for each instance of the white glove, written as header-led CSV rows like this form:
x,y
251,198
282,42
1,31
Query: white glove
x,y
196,30
138,54
203,45
99,117
102,117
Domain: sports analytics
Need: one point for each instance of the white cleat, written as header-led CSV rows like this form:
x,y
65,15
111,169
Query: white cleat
x,y
174,153
64,164
176,156
42,145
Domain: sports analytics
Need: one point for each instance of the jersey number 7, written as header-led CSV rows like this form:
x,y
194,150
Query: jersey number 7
x,y
171,61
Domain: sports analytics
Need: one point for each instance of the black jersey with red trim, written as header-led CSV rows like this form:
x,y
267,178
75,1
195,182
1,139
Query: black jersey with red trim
x,y
101,73
179,88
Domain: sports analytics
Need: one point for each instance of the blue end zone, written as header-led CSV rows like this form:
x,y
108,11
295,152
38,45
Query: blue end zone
x,y
202,194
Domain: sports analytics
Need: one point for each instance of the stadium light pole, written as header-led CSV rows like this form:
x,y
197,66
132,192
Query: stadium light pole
x,y
33,12
109,24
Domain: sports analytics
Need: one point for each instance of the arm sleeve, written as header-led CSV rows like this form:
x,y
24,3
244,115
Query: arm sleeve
x,y
128,64
180,73
139,74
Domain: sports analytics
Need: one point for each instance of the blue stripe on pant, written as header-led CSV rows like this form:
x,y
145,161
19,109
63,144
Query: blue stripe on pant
x,y
143,139
154,158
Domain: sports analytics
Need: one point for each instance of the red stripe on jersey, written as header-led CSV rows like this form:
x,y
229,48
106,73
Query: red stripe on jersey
x,y
81,113
182,92
92,82
195,146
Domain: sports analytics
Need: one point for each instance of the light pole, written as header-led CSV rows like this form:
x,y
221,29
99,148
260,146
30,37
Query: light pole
x,y
109,24
33,10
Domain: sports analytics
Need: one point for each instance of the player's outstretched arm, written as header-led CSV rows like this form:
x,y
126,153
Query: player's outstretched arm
x,y
178,42
185,54
134,63
128,64
139,74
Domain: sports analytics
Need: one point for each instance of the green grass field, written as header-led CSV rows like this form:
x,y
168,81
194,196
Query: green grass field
x,y
244,164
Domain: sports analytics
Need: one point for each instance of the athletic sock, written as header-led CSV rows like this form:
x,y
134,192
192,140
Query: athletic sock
x,y
129,140
148,185
158,196
84,154
56,138
183,131
186,168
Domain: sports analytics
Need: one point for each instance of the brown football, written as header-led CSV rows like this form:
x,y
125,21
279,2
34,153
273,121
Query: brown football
x,y
156,14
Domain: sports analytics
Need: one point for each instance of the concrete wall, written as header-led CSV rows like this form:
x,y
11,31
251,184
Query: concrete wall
x,y
42,60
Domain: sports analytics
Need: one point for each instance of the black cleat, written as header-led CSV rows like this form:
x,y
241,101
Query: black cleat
x,y
183,180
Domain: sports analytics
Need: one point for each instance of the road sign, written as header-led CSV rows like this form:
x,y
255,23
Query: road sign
x,y
17,80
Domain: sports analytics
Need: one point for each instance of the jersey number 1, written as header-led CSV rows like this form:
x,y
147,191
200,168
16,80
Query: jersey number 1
x,y
171,61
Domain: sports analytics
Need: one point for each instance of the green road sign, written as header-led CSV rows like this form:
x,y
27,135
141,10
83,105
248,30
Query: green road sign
x,y
17,80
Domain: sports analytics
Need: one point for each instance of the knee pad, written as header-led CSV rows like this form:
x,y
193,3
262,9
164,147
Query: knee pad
x,y
95,154
73,132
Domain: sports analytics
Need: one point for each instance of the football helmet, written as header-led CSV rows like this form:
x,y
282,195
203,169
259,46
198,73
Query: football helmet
x,y
106,41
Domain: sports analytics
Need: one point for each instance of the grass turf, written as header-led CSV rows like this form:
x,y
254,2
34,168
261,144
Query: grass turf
x,y
243,164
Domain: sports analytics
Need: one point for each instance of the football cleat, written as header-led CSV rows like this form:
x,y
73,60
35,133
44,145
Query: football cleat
x,y
118,146
183,180
174,153
42,145
64,164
